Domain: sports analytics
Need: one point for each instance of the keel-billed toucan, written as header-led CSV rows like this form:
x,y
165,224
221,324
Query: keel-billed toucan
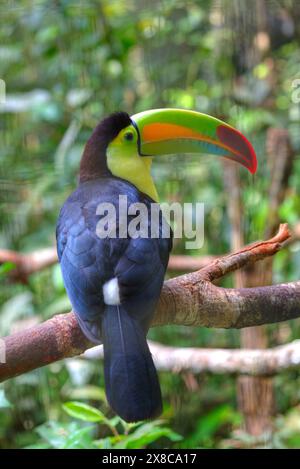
x,y
114,283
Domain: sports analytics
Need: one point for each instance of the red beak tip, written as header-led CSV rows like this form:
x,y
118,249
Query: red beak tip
x,y
239,145
253,168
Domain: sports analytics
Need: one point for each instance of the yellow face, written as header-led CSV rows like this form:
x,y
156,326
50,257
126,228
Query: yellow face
x,y
124,161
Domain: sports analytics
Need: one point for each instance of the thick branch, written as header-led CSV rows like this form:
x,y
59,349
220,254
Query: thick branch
x,y
190,300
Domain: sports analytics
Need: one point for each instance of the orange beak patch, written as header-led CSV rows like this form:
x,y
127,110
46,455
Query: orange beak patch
x,y
234,144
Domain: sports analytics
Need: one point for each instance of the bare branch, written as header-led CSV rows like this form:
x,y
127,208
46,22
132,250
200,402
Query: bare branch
x,y
181,263
250,254
189,300
181,303
246,361
27,264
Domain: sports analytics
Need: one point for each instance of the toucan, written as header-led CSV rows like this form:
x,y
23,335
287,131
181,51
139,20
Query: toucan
x,y
114,282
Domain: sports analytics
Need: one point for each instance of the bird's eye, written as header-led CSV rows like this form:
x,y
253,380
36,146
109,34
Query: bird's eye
x,y
128,136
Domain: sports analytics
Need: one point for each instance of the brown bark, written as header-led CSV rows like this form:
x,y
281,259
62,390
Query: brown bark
x,y
182,302
27,264
181,263
190,300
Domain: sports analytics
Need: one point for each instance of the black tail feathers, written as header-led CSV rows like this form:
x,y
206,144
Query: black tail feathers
x,y
131,381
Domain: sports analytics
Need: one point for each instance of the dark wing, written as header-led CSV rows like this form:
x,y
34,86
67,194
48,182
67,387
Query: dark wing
x,y
84,264
140,272
87,262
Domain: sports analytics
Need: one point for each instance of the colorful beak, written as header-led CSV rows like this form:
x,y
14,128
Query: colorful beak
x,y
170,131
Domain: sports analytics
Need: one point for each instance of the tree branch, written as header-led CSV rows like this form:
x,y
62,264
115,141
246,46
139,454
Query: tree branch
x,y
190,300
236,361
27,264
246,256
35,261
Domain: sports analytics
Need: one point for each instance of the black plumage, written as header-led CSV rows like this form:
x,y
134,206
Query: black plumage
x,y
88,262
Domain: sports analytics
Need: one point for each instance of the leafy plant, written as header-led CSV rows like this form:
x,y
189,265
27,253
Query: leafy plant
x,y
75,435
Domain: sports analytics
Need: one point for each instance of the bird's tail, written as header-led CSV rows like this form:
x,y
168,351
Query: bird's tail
x,y
131,381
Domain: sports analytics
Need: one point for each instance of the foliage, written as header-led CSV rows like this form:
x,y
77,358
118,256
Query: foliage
x,y
74,435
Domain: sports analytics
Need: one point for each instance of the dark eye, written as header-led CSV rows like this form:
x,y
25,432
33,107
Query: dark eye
x,y
128,136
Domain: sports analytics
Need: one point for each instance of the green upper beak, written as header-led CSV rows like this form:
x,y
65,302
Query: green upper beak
x,y
169,131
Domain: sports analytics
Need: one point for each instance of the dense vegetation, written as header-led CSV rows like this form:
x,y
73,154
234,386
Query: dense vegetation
x,y
66,64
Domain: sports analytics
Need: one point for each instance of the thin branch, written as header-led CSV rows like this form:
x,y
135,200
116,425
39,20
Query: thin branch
x,y
233,361
189,300
250,254
181,263
27,264
35,261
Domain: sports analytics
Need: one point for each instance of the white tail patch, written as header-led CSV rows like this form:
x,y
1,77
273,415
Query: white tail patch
x,y
111,292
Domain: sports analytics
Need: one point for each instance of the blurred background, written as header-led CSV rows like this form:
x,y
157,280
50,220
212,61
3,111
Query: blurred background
x,y
66,64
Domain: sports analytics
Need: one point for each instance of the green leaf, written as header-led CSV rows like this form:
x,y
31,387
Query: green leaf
x,y
147,433
6,267
83,411
80,439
